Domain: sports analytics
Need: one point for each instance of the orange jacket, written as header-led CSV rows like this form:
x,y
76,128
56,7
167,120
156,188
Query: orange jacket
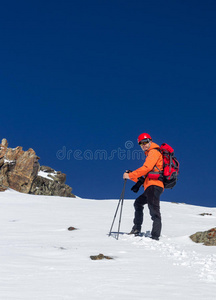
x,y
153,158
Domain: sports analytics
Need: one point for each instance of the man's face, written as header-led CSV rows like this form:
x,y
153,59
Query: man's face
x,y
145,147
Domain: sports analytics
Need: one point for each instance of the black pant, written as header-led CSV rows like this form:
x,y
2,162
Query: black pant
x,y
151,196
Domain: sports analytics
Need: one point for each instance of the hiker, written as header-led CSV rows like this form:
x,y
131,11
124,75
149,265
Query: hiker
x,y
153,188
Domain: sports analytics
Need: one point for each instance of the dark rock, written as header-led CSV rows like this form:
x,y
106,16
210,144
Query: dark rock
x,y
51,186
72,228
205,214
100,256
47,169
55,175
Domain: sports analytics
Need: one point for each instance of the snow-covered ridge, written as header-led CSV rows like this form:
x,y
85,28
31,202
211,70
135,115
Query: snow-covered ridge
x,y
40,259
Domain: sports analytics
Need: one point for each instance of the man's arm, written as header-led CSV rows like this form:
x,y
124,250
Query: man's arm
x,y
148,165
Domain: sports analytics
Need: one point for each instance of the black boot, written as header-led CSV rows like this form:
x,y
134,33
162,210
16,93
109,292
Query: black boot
x,y
135,231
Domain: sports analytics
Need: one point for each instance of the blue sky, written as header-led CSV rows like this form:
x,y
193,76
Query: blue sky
x,y
80,78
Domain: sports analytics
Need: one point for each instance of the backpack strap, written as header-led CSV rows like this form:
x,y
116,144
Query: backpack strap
x,y
158,175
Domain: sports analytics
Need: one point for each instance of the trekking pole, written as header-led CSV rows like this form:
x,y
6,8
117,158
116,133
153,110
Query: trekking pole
x,y
121,200
123,191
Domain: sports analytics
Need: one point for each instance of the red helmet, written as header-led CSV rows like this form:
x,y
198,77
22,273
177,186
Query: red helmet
x,y
144,137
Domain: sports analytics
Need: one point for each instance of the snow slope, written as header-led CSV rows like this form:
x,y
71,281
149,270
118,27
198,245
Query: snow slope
x,y
41,260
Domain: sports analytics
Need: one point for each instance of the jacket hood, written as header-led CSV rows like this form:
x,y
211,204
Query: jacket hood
x,y
153,146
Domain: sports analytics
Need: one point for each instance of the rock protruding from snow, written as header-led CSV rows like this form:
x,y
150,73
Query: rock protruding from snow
x,y
208,237
21,171
100,257
51,183
18,168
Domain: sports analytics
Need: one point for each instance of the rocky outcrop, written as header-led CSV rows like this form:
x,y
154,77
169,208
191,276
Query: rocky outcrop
x,y
21,171
18,168
208,238
52,183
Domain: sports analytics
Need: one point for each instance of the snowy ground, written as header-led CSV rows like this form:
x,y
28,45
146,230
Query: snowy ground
x,y
41,260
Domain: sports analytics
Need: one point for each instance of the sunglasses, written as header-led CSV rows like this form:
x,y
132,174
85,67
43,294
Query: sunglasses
x,y
143,143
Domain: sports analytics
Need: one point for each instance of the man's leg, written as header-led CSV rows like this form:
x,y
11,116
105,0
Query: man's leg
x,y
153,197
138,215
